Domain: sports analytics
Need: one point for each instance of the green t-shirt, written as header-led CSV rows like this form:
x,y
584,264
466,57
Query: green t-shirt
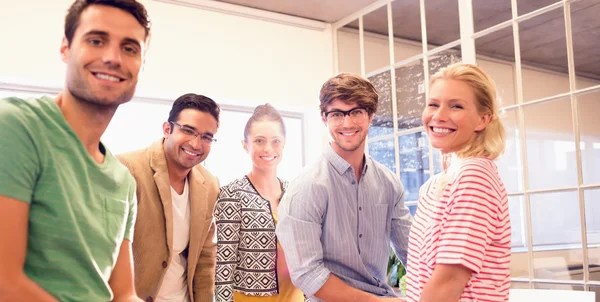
x,y
80,211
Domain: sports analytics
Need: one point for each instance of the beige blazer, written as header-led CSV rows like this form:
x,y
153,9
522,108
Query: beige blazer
x,y
153,233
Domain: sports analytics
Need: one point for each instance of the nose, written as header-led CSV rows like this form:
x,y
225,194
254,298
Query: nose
x,y
112,55
347,122
196,143
440,114
268,147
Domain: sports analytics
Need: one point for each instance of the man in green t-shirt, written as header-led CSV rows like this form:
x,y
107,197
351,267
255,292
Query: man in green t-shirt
x,y
67,206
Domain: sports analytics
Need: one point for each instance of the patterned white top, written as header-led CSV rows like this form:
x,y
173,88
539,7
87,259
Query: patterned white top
x,y
246,242
463,219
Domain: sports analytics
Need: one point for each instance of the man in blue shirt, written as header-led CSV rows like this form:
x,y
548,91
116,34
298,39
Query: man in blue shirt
x,y
338,218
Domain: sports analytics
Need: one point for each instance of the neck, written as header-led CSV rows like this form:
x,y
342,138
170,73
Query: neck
x,y
89,121
177,175
354,158
264,179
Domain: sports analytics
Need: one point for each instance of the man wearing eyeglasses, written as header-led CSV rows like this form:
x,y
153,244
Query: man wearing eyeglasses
x,y
174,249
338,219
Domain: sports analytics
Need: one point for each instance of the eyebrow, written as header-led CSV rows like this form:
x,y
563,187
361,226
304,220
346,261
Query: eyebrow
x,y
340,110
194,128
105,35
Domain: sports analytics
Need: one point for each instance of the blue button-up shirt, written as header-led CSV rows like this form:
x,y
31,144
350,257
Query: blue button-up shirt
x,y
331,223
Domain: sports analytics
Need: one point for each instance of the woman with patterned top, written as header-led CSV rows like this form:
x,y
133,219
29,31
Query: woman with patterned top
x,y
459,243
250,263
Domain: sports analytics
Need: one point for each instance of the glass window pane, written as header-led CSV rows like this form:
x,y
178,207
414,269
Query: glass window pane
x,y
510,165
489,13
589,129
442,22
592,227
348,45
544,55
527,6
382,121
376,40
519,263
550,145
556,238
410,94
585,29
407,27
383,152
499,45
413,209
413,156
442,59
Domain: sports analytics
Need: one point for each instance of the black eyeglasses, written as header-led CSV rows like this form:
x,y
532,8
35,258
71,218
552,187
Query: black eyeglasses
x,y
336,117
206,139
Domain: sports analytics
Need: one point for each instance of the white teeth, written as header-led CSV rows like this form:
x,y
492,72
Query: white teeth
x,y
441,130
190,153
348,133
107,77
268,158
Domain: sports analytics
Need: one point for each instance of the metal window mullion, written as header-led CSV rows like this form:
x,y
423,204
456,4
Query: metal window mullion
x,y
521,121
361,41
393,95
575,114
426,74
465,17
336,56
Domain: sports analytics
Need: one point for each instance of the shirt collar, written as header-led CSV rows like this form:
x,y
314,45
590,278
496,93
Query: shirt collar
x,y
340,164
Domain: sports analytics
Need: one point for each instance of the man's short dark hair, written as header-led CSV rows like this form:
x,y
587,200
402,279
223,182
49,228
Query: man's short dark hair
x,y
194,101
134,8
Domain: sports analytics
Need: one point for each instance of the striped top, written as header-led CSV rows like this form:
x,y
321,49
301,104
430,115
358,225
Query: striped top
x,y
463,219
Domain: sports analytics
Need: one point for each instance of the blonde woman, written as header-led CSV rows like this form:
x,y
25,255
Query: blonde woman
x,y
251,266
459,244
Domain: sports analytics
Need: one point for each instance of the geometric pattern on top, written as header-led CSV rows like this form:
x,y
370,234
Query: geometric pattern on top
x,y
246,242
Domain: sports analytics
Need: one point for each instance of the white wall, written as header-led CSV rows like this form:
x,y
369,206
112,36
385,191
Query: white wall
x,y
232,59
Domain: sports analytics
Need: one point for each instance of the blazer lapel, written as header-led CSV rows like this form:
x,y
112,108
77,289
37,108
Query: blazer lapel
x,y
158,162
198,207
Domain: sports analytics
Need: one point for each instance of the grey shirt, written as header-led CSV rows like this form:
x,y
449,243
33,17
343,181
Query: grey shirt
x,y
331,223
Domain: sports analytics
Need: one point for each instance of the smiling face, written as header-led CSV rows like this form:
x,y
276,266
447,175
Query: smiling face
x,y
265,144
184,151
450,117
104,57
349,136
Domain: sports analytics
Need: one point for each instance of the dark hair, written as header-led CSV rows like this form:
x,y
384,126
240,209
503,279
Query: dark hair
x,y
136,9
264,112
349,88
194,101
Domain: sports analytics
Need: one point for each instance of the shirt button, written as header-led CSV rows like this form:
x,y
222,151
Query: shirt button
x,y
360,236
164,264
353,182
360,208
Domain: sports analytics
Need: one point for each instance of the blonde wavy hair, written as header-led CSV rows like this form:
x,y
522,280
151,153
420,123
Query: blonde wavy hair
x,y
489,142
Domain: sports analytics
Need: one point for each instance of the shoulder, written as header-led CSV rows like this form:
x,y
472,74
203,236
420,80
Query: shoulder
x,y
234,186
209,179
21,111
477,169
134,159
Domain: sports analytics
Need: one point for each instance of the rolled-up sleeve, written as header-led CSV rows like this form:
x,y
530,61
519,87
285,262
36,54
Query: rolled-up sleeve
x,y
299,231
